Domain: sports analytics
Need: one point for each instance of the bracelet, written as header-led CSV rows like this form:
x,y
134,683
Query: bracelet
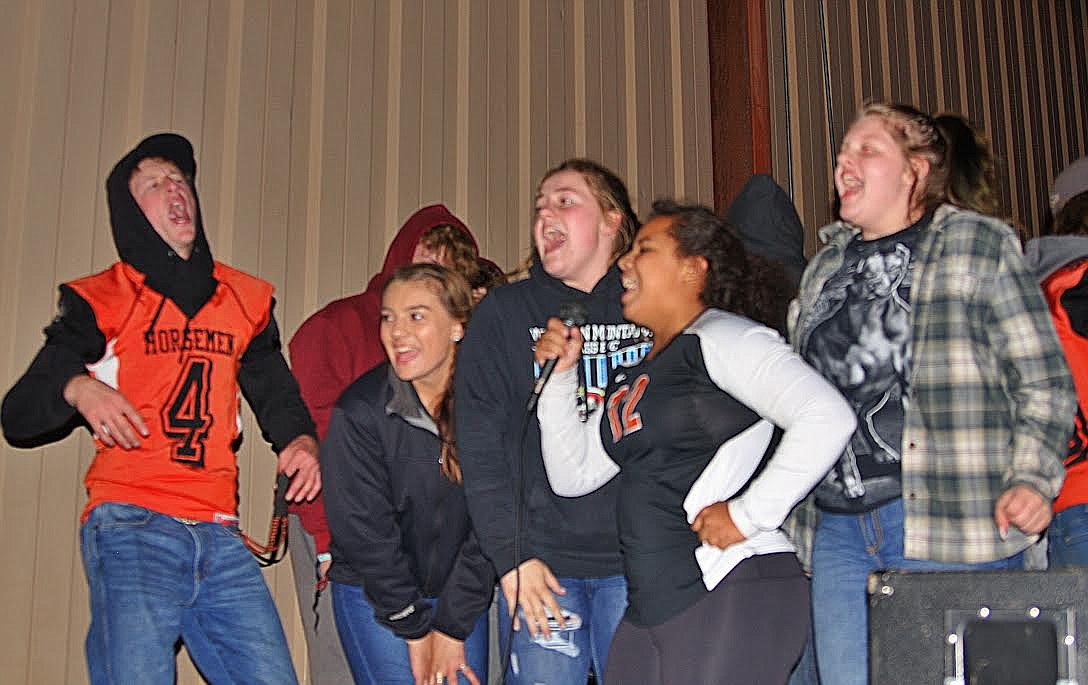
x,y
323,557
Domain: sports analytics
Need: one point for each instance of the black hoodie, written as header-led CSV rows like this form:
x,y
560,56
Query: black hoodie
x,y
576,537
34,411
767,223
188,282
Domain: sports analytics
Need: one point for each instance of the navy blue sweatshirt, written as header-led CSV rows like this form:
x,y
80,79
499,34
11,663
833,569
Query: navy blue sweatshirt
x,y
577,536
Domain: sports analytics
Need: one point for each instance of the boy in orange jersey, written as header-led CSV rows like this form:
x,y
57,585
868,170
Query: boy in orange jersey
x,y
151,355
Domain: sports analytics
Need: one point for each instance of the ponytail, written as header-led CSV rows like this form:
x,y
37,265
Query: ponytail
x,y
970,164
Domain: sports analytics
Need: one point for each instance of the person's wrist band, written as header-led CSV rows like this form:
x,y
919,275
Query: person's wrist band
x,y
323,557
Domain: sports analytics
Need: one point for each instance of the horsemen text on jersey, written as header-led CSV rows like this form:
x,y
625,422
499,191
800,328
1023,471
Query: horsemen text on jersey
x,y
181,375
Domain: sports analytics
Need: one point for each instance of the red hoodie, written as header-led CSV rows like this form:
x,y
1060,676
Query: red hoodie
x,y
340,342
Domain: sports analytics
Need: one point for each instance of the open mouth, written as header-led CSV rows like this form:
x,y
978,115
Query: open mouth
x,y
851,186
178,213
630,289
552,238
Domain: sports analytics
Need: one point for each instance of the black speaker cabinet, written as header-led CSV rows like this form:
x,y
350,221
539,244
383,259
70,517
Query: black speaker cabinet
x,y
980,628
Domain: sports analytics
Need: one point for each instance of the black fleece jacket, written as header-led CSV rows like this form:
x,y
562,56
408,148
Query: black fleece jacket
x,y
400,528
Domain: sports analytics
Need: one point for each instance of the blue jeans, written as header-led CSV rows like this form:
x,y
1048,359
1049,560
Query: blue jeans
x,y
154,580
600,603
1067,537
376,655
847,548
804,671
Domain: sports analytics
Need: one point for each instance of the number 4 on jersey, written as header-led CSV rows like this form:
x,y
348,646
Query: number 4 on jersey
x,y
626,396
185,416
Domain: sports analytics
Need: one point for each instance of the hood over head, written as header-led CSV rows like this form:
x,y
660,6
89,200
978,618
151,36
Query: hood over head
x,y
187,282
1049,253
404,243
767,222
1072,181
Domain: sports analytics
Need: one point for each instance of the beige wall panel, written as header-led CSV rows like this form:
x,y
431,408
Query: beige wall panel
x,y
416,44
646,91
480,43
319,127
79,204
36,179
74,203
191,65
505,226
342,167
658,91
219,83
698,155
12,25
299,296
594,83
384,160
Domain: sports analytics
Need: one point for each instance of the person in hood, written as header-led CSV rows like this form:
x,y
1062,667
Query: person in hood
x,y
767,223
150,356
1060,263
332,348
558,558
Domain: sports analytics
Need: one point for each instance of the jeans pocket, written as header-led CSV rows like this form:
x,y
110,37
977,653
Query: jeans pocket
x,y
1073,523
110,515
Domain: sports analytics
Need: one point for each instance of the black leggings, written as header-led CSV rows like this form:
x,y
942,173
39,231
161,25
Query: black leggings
x,y
749,630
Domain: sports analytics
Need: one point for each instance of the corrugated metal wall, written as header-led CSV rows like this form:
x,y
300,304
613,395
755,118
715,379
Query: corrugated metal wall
x,y
319,126
1018,69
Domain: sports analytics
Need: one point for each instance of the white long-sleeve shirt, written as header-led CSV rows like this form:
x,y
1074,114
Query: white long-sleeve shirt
x,y
688,428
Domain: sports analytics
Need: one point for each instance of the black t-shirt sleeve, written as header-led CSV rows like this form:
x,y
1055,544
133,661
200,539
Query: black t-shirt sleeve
x,y
272,391
34,411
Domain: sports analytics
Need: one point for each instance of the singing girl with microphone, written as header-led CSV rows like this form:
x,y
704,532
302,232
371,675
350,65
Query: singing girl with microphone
x,y
716,592
558,558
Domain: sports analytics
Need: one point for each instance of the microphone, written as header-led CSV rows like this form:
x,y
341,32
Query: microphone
x,y
572,314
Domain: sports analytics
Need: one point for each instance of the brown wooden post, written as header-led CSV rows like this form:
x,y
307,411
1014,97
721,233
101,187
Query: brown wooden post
x,y
739,95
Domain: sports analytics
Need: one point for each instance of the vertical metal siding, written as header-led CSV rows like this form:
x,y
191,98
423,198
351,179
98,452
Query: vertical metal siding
x,y
319,126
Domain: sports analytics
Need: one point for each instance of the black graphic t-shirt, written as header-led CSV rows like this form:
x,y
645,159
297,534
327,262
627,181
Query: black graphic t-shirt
x,y
863,348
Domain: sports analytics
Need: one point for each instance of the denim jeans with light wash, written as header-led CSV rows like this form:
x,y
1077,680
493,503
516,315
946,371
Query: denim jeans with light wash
x,y
1067,538
377,656
847,548
600,604
804,671
154,580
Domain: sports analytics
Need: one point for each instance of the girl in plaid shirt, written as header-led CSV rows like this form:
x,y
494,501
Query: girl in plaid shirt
x,y
920,310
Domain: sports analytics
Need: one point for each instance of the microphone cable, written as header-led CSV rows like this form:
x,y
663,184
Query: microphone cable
x,y
573,314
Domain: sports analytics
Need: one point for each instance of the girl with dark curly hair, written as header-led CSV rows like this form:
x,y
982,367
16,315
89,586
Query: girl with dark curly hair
x,y
715,591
